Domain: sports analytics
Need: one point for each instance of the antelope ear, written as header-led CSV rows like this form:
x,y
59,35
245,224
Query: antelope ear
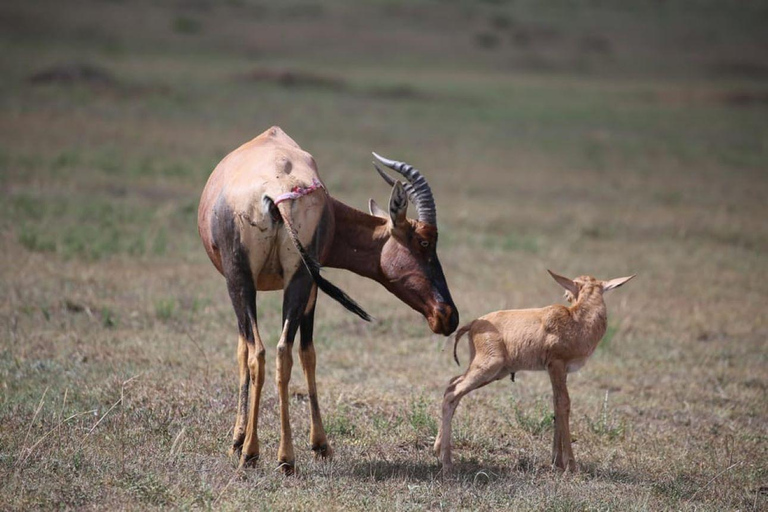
x,y
375,210
398,204
615,283
565,283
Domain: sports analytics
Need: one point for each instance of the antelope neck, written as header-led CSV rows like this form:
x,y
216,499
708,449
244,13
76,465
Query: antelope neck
x,y
590,312
357,241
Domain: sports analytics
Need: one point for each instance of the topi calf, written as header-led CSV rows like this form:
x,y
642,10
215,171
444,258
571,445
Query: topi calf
x,y
556,338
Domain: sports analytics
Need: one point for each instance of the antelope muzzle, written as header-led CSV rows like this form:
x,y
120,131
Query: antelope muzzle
x,y
444,318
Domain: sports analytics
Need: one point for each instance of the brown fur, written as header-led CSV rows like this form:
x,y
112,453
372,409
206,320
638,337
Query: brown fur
x,y
555,338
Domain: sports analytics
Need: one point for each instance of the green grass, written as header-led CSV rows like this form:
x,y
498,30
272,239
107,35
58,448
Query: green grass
x,y
535,421
606,423
598,139
420,418
165,308
340,425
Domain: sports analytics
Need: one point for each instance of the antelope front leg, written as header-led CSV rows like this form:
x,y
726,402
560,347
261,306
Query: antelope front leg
x,y
241,420
317,438
562,452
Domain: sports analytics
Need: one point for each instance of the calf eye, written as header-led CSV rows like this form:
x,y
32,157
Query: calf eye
x,y
424,243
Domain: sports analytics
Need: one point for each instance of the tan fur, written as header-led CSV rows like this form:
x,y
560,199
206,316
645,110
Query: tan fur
x,y
270,164
555,338
461,332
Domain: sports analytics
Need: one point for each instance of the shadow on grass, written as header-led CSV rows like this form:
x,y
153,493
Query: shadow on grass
x,y
380,470
480,472
591,470
530,466
614,475
401,470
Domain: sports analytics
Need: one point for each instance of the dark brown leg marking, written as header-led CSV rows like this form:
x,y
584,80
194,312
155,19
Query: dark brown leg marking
x,y
295,299
250,352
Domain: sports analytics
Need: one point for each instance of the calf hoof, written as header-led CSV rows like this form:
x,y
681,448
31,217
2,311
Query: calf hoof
x,y
446,461
569,466
323,451
249,461
446,469
287,467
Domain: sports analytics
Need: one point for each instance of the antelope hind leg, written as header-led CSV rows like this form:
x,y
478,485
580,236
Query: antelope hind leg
x,y
317,438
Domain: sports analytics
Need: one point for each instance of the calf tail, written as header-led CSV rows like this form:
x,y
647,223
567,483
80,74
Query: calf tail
x,y
313,266
459,334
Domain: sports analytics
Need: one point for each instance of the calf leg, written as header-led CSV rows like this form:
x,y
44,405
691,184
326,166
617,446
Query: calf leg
x,y
476,377
317,438
438,438
562,452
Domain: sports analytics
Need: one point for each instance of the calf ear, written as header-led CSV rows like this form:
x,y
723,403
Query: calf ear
x,y
615,283
398,204
375,210
565,283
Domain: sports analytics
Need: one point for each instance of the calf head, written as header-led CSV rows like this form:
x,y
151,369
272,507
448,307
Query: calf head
x,y
574,286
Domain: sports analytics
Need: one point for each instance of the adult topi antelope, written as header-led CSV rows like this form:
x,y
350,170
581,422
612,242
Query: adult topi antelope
x,y
268,223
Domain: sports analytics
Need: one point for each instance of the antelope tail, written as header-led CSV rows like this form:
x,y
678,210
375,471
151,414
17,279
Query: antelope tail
x,y
459,334
313,266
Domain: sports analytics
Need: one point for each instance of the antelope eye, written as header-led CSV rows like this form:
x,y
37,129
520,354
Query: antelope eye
x,y
424,243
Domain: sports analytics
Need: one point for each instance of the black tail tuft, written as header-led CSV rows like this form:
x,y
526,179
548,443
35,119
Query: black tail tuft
x,y
329,288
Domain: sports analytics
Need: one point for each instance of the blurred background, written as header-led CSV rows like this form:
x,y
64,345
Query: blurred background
x,y
589,137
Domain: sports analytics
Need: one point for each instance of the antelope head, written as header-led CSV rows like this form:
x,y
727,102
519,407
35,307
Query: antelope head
x,y
409,264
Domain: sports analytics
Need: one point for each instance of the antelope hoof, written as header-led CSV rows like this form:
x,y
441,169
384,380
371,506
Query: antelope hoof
x,y
287,467
323,451
236,450
249,461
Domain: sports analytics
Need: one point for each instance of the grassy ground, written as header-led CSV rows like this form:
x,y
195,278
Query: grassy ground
x,y
574,136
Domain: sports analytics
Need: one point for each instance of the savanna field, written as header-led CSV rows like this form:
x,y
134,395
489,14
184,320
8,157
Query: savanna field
x,y
584,137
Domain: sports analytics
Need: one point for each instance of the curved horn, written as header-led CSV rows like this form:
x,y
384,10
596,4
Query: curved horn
x,y
425,201
391,182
